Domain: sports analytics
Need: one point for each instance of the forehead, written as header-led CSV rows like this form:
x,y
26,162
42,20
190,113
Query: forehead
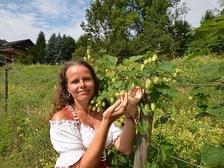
x,y
78,70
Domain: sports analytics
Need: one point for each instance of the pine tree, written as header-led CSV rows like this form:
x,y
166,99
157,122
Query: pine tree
x,y
38,51
69,47
59,49
51,50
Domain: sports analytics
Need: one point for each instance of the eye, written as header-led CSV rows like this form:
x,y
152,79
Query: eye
x,y
87,79
75,81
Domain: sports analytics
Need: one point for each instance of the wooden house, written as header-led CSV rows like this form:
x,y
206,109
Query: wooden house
x,y
19,47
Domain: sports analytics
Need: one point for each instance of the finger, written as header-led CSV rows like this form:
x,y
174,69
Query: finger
x,y
131,93
115,105
139,94
132,87
124,101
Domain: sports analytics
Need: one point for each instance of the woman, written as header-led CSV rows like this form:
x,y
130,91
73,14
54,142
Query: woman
x,y
81,135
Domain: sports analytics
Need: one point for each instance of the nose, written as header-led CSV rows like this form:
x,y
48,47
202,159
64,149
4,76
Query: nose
x,y
82,83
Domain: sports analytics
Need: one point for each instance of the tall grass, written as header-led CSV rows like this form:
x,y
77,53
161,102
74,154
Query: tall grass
x,y
24,128
25,125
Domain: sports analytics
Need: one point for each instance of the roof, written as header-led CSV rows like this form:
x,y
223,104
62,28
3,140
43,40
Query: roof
x,y
26,42
2,42
16,47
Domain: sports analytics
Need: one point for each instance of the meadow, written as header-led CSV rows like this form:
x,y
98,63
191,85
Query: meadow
x,y
185,128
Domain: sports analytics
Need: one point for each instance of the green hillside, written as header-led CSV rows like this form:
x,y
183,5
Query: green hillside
x,y
24,128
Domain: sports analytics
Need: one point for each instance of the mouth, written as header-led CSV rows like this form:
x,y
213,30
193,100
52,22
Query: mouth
x,y
83,91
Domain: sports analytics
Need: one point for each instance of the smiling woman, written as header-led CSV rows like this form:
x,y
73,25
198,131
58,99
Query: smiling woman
x,y
81,135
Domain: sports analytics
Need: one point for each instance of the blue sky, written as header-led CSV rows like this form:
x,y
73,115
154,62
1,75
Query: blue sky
x,y
24,19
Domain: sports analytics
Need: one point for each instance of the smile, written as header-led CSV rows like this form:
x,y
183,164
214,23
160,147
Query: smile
x,y
83,91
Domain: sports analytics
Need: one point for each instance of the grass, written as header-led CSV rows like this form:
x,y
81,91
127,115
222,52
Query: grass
x,y
24,127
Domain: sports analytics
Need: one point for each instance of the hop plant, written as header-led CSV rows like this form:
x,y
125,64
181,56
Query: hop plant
x,y
154,58
153,106
142,67
156,80
150,60
148,84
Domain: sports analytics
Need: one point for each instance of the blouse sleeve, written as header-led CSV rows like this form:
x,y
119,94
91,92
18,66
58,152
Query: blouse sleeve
x,y
66,140
116,131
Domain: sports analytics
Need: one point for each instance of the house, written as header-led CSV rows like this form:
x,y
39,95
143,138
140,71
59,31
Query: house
x,y
19,47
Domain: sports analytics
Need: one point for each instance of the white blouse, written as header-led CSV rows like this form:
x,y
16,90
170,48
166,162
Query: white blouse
x,y
71,142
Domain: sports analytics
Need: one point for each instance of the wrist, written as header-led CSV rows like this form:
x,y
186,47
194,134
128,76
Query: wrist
x,y
106,122
134,118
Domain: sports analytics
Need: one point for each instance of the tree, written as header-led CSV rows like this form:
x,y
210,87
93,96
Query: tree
x,y
179,31
51,50
208,38
59,49
125,28
69,47
208,15
38,51
81,47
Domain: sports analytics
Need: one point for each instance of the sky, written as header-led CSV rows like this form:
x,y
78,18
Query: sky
x,y
24,19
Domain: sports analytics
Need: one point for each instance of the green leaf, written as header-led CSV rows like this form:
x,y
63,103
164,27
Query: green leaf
x,y
110,60
213,156
214,112
166,66
147,165
218,111
102,50
166,90
213,79
151,165
166,150
197,54
142,127
209,69
198,91
122,159
169,92
130,60
154,165
118,84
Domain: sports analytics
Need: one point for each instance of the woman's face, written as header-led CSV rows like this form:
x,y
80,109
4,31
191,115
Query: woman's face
x,y
80,83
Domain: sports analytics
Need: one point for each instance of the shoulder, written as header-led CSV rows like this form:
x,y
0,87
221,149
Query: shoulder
x,y
61,115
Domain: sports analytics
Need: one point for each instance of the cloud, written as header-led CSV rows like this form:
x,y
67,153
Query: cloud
x,y
26,19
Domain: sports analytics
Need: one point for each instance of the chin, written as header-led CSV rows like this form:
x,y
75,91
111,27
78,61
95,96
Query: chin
x,y
84,98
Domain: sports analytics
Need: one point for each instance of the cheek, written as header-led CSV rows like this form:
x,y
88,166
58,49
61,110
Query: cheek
x,y
93,86
71,88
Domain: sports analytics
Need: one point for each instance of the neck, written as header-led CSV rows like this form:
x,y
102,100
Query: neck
x,y
84,114
81,108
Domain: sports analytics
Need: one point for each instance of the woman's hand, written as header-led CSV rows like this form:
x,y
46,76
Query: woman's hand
x,y
117,109
134,95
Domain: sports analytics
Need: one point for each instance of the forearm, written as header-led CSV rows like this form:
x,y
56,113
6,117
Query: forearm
x,y
125,142
95,151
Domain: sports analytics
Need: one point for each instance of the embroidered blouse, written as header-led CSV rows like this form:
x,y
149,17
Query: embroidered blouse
x,y
71,139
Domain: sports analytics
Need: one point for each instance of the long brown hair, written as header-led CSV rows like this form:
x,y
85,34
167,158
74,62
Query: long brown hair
x,y
61,95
